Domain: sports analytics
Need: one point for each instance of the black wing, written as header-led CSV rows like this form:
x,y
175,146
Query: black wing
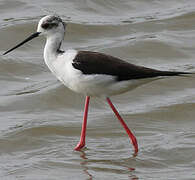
x,y
97,63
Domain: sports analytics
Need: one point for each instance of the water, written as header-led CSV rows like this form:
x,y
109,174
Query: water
x,y
40,119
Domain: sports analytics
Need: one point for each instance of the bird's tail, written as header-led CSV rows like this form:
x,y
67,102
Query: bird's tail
x,y
174,73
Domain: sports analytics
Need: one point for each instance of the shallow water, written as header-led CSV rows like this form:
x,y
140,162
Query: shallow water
x,y
41,119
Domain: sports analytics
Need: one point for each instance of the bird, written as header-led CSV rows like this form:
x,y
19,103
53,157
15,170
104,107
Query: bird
x,y
92,74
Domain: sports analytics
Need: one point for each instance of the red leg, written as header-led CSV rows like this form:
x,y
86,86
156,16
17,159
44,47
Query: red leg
x,y
81,143
130,134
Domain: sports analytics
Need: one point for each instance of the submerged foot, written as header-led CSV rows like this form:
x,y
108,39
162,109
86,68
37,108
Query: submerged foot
x,y
79,146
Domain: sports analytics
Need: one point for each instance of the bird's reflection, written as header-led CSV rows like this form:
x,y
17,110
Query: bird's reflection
x,y
84,164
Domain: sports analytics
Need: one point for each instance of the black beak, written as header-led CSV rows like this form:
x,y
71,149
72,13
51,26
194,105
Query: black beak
x,y
20,44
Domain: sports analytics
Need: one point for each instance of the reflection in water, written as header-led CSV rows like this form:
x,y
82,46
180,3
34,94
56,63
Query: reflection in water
x,y
85,161
132,177
84,165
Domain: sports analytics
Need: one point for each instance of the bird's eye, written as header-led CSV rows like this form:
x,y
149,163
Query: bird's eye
x,y
45,25
49,25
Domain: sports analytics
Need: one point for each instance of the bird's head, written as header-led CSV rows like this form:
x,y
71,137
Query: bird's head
x,y
48,26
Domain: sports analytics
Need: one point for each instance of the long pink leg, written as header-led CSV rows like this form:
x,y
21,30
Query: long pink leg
x,y
130,134
81,143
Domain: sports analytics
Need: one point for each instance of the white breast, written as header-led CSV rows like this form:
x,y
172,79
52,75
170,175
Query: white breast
x,y
75,80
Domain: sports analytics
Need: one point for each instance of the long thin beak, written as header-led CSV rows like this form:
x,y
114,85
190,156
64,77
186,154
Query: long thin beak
x,y
23,42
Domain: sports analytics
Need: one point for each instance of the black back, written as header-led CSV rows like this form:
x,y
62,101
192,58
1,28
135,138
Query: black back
x,y
97,63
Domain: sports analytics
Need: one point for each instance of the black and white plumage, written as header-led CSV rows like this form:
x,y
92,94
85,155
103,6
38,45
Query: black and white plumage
x,y
90,73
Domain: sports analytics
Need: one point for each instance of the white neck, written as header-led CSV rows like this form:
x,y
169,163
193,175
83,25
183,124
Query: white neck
x,y
52,46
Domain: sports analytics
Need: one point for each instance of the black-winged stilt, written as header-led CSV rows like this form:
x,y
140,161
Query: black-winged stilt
x,y
90,73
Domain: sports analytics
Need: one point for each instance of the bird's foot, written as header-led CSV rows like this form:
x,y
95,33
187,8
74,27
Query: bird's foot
x,y
79,146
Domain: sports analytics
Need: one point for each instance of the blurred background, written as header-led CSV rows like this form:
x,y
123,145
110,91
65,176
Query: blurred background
x,y
40,119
